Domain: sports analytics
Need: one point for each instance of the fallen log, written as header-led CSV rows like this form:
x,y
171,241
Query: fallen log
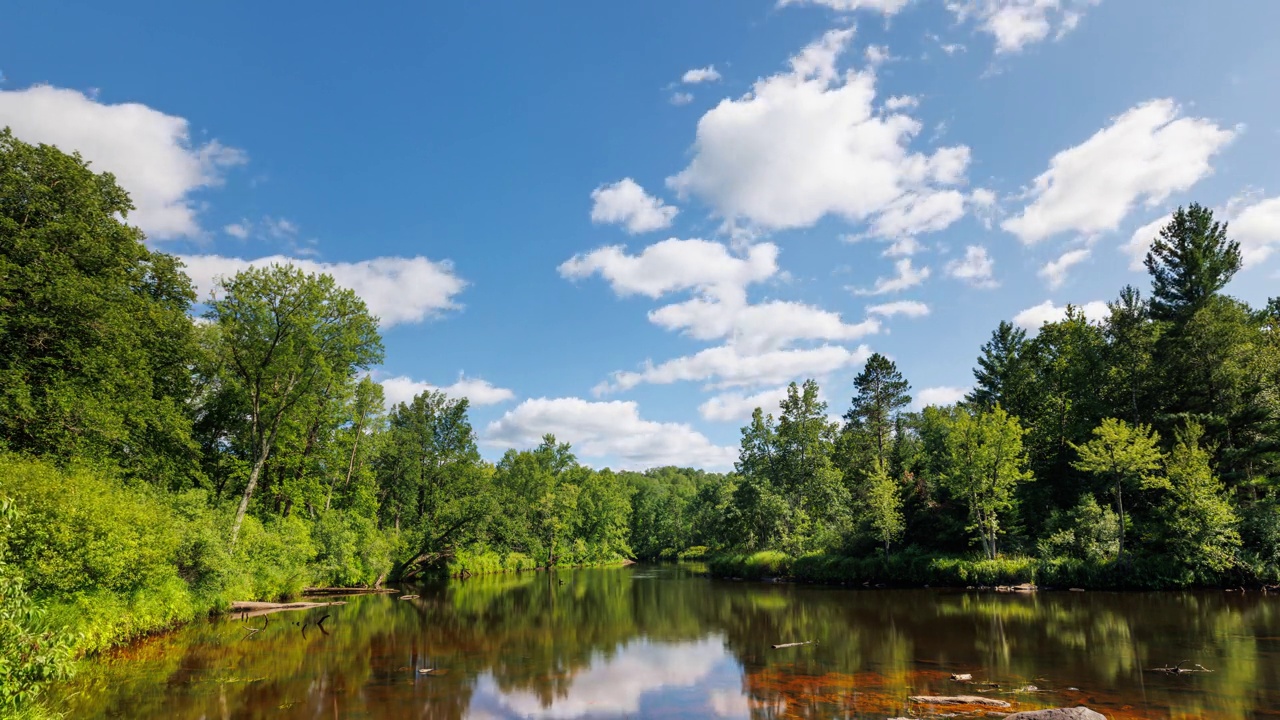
x,y
961,677
958,700
324,591
794,644
408,597
248,609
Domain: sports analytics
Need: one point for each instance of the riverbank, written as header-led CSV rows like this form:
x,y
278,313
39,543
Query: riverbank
x,y
912,569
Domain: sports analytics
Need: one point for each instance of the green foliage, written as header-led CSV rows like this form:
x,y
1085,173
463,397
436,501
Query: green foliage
x,y
1199,524
33,653
95,342
1087,532
1122,454
987,461
1190,261
884,507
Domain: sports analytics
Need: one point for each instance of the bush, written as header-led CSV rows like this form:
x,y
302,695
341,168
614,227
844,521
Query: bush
x,y
32,652
754,566
271,559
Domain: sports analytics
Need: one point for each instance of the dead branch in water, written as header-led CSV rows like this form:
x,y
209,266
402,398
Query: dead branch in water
x,y
1179,670
795,644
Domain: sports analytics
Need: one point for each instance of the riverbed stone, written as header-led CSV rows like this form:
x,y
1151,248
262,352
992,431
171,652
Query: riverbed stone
x,y
1076,713
958,700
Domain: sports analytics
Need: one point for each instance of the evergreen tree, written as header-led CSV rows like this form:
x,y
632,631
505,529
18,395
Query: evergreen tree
x,y
881,394
1001,377
1189,262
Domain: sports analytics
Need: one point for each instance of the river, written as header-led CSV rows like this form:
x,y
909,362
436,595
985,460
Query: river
x,y
664,642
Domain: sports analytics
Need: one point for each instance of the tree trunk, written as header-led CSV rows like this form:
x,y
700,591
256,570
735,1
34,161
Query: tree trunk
x,y
1120,505
254,474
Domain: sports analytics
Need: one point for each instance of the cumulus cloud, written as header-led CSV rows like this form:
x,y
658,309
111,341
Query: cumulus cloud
x,y
239,231
403,389
1016,24
725,367
626,203
939,396
150,153
1256,226
975,268
759,327
1046,312
907,277
700,75
1055,271
901,102
612,429
736,407
396,289
811,142
1146,154
908,308
674,265
681,98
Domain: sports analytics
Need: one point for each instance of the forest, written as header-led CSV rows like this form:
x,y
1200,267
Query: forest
x,y
162,455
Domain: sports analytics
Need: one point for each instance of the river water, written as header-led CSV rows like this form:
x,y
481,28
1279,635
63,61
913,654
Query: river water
x,y
664,642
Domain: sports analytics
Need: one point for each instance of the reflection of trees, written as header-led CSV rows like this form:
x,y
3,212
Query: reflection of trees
x,y
535,633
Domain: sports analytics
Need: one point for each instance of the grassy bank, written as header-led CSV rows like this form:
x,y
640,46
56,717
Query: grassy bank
x,y
913,569
488,562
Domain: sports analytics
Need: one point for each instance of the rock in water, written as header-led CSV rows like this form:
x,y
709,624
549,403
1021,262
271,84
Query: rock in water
x,y
1075,713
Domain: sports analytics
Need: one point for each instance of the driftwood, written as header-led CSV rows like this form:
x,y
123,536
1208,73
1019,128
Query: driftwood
x,y
794,644
961,677
958,700
1179,670
322,591
254,609
254,631
408,597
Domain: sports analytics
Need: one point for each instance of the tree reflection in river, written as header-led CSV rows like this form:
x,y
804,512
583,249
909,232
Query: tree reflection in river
x,y
658,642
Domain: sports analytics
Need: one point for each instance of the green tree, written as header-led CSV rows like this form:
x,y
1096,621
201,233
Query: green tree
x,y
1002,376
1199,527
287,337
1122,454
881,394
803,473
95,341
987,461
884,507
1189,262
431,479
1131,338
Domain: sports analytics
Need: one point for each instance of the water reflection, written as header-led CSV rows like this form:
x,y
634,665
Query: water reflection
x,y
659,642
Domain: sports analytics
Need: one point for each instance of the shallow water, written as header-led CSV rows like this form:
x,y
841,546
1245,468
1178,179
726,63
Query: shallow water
x,y
662,642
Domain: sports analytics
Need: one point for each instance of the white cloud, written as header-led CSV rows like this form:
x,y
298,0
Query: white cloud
x,y
239,230
908,308
403,389
1055,271
810,142
725,367
907,277
1147,154
760,327
939,396
626,203
975,268
877,55
1256,226
734,407
901,102
1046,312
903,247
611,429
396,289
1140,242
700,75
887,7
681,98
150,153
1017,23
674,265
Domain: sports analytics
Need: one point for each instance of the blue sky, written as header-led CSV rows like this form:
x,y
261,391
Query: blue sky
x,y
628,223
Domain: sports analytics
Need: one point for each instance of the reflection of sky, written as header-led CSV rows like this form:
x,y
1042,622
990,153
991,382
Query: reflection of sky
x,y
645,679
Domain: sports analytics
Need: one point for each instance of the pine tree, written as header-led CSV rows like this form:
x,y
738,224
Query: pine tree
x,y
1190,261
881,395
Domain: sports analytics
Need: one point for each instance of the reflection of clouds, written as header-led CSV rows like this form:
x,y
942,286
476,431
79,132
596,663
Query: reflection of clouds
x,y
614,686
730,704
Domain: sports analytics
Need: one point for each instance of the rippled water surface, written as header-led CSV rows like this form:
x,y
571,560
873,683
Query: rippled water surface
x,y
666,643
